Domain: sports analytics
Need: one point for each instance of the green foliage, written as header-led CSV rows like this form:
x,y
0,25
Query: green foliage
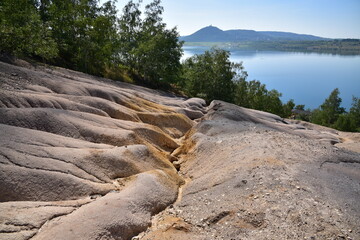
x,y
253,94
84,36
22,32
288,107
330,114
350,121
160,50
300,107
147,47
332,108
318,117
355,111
329,111
86,33
212,75
130,25
345,123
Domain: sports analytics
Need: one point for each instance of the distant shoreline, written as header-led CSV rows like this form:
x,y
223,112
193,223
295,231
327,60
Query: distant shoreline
x,y
337,47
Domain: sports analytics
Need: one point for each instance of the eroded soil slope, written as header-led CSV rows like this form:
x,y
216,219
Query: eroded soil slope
x,y
252,175
87,158
84,157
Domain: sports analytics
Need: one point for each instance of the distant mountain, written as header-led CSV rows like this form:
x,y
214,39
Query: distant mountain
x,y
208,34
291,36
214,34
246,35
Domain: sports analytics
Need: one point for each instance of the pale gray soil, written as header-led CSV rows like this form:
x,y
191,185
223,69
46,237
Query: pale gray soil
x,y
83,157
252,175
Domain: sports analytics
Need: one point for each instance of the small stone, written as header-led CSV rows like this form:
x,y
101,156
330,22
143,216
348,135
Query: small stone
x,y
297,187
255,197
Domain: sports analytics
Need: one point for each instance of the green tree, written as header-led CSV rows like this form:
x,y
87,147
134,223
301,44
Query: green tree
x,y
130,25
103,40
61,14
212,75
159,51
82,29
350,121
345,123
332,107
355,112
329,111
86,33
300,107
149,49
273,103
288,107
22,31
253,94
257,95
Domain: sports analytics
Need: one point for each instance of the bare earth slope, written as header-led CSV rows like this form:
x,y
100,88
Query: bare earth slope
x,y
87,158
84,157
252,175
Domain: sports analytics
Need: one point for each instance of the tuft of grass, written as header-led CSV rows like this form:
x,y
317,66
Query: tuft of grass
x,y
118,73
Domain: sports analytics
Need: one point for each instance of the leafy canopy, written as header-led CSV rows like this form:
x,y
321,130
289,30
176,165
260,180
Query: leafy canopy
x,y
212,75
82,35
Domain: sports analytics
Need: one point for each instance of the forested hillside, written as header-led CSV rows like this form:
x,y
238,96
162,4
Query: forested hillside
x,y
92,38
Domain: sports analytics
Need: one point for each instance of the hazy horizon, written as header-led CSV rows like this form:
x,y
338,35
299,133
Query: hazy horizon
x,y
323,18
254,30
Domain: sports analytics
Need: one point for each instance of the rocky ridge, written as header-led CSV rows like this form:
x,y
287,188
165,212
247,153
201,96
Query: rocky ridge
x,y
83,157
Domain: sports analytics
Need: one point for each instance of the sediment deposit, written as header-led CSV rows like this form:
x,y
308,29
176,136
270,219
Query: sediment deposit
x,y
83,157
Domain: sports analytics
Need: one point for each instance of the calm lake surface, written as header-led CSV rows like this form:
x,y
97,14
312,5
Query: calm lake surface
x,y
308,78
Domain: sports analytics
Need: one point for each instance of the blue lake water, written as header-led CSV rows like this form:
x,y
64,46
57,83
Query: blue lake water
x,y
308,78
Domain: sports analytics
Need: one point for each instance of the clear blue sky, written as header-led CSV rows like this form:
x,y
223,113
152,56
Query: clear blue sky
x,y
325,18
